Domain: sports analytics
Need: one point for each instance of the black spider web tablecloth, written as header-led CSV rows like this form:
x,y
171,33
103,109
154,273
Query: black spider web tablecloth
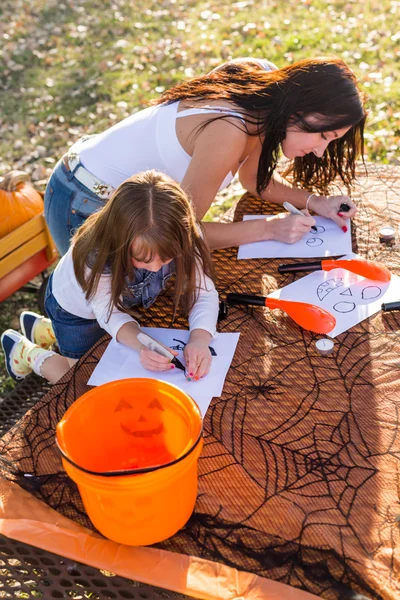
x,y
299,476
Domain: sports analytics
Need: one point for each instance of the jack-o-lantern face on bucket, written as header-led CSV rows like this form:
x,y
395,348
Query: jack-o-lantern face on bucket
x,y
142,421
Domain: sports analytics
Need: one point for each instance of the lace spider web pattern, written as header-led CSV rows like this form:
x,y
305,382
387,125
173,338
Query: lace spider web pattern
x,y
299,476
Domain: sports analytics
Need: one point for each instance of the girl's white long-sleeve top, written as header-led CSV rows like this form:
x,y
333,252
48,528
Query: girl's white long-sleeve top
x,y
71,298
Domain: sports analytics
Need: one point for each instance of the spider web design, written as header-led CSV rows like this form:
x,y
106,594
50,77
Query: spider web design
x,y
299,477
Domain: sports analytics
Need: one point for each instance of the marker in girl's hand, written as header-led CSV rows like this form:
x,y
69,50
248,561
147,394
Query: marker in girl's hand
x,y
155,346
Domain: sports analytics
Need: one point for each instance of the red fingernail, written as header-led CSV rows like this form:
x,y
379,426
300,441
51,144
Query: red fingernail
x,y
340,215
191,374
172,367
344,228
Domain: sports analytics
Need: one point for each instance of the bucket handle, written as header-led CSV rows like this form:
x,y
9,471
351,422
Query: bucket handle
x,y
130,471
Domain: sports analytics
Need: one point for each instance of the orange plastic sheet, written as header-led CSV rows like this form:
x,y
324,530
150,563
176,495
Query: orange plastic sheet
x,y
26,519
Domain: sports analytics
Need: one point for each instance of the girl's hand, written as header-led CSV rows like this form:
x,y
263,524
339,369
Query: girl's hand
x,y
288,228
197,354
329,206
155,362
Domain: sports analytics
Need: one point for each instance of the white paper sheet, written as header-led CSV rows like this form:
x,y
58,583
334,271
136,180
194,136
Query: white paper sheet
x,y
120,362
348,297
329,241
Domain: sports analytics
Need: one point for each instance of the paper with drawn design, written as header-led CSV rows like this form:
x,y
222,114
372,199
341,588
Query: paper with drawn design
x,y
120,362
329,240
348,297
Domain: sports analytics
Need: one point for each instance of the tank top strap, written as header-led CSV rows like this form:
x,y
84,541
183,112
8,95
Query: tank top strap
x,y
210,110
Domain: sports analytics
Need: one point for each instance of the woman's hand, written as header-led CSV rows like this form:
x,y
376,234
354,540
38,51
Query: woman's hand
x,y
155,362
197,354
329,206
288,228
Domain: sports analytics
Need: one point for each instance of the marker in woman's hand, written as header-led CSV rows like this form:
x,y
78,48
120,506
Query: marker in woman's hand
x,y
295,211
344,207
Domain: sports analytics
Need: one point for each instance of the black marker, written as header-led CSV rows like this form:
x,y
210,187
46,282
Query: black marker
x,y
155,346
344,207
295,211
223,311
387,306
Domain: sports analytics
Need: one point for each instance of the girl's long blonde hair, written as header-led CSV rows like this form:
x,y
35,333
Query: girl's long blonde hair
x,y
151,209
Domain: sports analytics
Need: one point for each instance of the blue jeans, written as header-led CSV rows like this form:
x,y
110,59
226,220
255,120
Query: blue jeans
x,y
75,335
67,204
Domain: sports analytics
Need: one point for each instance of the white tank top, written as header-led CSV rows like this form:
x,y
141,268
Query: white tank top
x,y
144,140
147,140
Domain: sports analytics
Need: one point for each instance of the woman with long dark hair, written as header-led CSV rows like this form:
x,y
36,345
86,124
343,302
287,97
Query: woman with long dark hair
x,y
238,118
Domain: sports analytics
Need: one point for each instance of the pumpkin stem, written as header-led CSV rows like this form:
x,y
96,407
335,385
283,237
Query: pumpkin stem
x,y
13,179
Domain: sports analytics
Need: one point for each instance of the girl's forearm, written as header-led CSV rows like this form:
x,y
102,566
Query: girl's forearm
x,y
127,335
200,335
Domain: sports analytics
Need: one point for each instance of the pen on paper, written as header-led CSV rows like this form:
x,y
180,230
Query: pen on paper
x,y
147,341
295,211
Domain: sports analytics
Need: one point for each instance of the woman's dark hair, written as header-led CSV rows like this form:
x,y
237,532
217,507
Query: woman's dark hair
x,y
153,211
324,88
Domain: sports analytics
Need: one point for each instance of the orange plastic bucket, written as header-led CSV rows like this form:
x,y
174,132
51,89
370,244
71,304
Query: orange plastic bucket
x,y
132,448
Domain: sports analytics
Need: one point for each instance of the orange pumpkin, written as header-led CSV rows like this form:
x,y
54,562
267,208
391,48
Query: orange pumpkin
x,y
19,201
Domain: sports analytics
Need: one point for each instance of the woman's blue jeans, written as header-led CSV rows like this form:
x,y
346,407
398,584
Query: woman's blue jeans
x,y
67,204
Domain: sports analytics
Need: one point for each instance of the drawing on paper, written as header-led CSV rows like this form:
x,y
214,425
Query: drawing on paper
x,y
349,297
181,346
328,286
344,307
120,361
314,242
371,292
326,240
347,292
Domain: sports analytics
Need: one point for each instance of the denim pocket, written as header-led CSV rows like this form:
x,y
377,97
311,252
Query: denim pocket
x,y
84,205
55,311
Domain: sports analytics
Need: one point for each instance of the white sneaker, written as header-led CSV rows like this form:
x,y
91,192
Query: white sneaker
x,y
15,365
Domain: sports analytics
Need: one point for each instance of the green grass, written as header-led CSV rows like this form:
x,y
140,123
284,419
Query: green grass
x,y
71,67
